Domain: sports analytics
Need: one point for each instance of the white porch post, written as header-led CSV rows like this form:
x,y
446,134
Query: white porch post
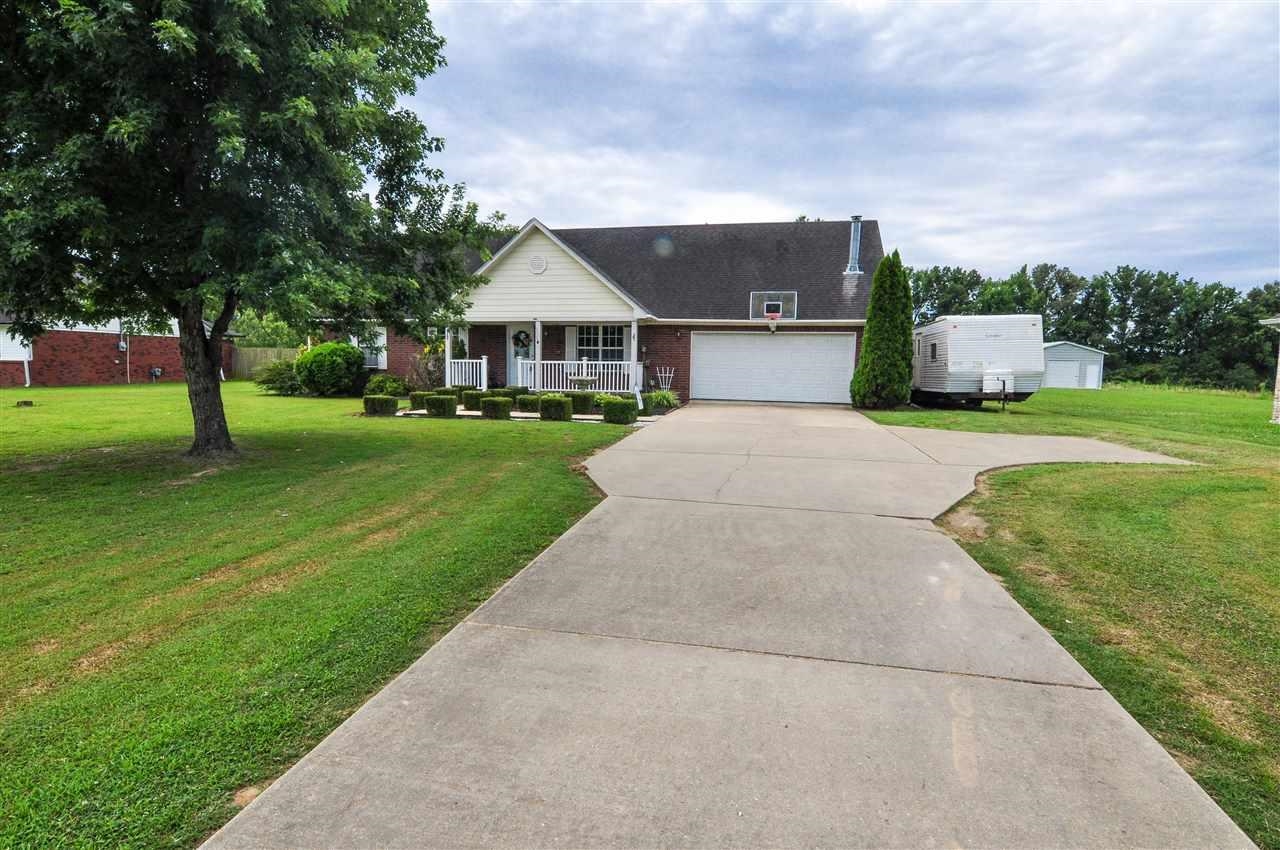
x,y
636,380
537,354
484,372
448,357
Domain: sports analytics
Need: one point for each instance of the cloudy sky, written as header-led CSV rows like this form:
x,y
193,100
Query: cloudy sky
x,y
984,136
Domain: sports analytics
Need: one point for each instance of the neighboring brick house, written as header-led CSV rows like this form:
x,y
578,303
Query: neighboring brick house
x,y
767,312
77,354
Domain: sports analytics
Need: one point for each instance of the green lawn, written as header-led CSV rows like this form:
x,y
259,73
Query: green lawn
x,y
175,630
1163,582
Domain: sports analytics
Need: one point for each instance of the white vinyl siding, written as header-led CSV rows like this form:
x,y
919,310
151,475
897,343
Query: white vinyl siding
x,y
806,367
969,347
1072,366
12,348
112,327
564,292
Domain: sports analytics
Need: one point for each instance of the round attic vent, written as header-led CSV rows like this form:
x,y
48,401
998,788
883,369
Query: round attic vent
x,y
537,264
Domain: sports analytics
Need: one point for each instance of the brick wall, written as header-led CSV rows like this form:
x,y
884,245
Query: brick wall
x,y
669,345
74,358
490,341
402,351
11,374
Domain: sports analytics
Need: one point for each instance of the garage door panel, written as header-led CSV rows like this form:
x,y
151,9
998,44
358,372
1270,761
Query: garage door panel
x,y
807,367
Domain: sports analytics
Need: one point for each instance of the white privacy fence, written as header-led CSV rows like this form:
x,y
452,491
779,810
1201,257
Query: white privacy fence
x,y
595,375
468,373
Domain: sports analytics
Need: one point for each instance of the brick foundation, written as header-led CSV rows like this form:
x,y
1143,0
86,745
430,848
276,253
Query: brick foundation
x,y
76,358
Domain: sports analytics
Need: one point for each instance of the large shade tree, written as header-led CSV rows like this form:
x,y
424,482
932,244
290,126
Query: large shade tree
x,y
183,160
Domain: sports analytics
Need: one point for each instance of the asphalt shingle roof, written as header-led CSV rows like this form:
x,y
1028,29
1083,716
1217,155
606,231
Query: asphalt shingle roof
x,y
708,271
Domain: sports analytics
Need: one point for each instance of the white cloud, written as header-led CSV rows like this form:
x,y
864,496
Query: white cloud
x,y
987,136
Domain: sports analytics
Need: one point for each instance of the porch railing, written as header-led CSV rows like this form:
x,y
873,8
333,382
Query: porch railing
x,y
469,373
610,376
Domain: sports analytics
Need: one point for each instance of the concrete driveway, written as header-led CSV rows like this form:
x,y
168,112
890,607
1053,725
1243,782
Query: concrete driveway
x,y
758,639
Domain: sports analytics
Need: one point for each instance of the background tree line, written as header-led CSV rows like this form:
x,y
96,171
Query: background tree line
x,y
1156,327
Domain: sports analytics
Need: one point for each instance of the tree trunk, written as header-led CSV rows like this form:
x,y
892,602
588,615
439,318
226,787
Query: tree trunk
x,y
202,361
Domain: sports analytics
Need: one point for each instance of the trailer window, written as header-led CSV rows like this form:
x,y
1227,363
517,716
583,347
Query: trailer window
x,y
933,351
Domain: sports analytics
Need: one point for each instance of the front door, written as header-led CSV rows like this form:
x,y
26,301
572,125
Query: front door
x,y
519,346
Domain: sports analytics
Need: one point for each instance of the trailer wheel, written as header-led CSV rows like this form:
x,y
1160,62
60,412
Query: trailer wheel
x,y
973,403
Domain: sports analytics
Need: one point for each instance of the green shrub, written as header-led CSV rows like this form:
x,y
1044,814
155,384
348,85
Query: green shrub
x,y
619,411
442,405
459,389
418,400
658,400
331,368
527,403
558,408
883,376
496,407
663,398
380,405
517,391
471,399
582,400
384,383
278,377
601,398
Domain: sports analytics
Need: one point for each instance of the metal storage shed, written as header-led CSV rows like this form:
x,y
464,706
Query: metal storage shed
x,y
1072,365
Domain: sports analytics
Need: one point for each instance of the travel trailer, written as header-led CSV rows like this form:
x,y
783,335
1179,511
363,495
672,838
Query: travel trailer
x,y
973,359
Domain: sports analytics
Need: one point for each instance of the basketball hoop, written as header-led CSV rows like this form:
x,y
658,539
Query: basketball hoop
x,y
773,320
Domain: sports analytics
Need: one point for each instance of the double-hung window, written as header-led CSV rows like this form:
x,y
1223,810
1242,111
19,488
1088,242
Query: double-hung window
x,y
602,342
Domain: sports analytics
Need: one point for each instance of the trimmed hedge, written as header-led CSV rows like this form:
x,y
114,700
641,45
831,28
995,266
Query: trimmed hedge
x,y
619,411
582,400
558,408
496,407
381,405
517,391
471,399
442,405
527,403
418,401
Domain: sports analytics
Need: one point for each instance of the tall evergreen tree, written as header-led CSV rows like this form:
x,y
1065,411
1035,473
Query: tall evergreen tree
x,y
883,376
166,160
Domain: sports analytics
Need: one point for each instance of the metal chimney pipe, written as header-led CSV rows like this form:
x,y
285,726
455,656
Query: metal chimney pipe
x,y
855,244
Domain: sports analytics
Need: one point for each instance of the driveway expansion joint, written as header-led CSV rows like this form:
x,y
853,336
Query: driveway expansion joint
x,y
791,655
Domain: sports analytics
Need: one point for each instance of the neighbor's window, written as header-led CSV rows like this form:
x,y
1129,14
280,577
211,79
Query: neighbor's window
x,y
933,351
602,342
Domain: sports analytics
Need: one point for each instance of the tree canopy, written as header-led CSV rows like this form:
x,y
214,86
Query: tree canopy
x,y
168,159
1155,326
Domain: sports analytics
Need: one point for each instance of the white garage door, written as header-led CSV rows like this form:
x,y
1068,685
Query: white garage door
x,y
1062,373
772,367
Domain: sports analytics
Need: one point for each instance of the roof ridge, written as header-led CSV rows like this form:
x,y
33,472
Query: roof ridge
x,y
707,224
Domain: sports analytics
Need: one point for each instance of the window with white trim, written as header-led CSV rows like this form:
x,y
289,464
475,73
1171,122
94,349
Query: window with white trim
x,y
602,342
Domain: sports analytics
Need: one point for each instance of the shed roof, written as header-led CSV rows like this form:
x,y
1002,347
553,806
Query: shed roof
x,y
1076,345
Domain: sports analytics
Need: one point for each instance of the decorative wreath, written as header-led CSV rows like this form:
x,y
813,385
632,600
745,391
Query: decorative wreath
x,y
521,339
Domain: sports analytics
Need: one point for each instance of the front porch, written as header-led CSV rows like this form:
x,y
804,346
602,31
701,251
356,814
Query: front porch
x,y
550,356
